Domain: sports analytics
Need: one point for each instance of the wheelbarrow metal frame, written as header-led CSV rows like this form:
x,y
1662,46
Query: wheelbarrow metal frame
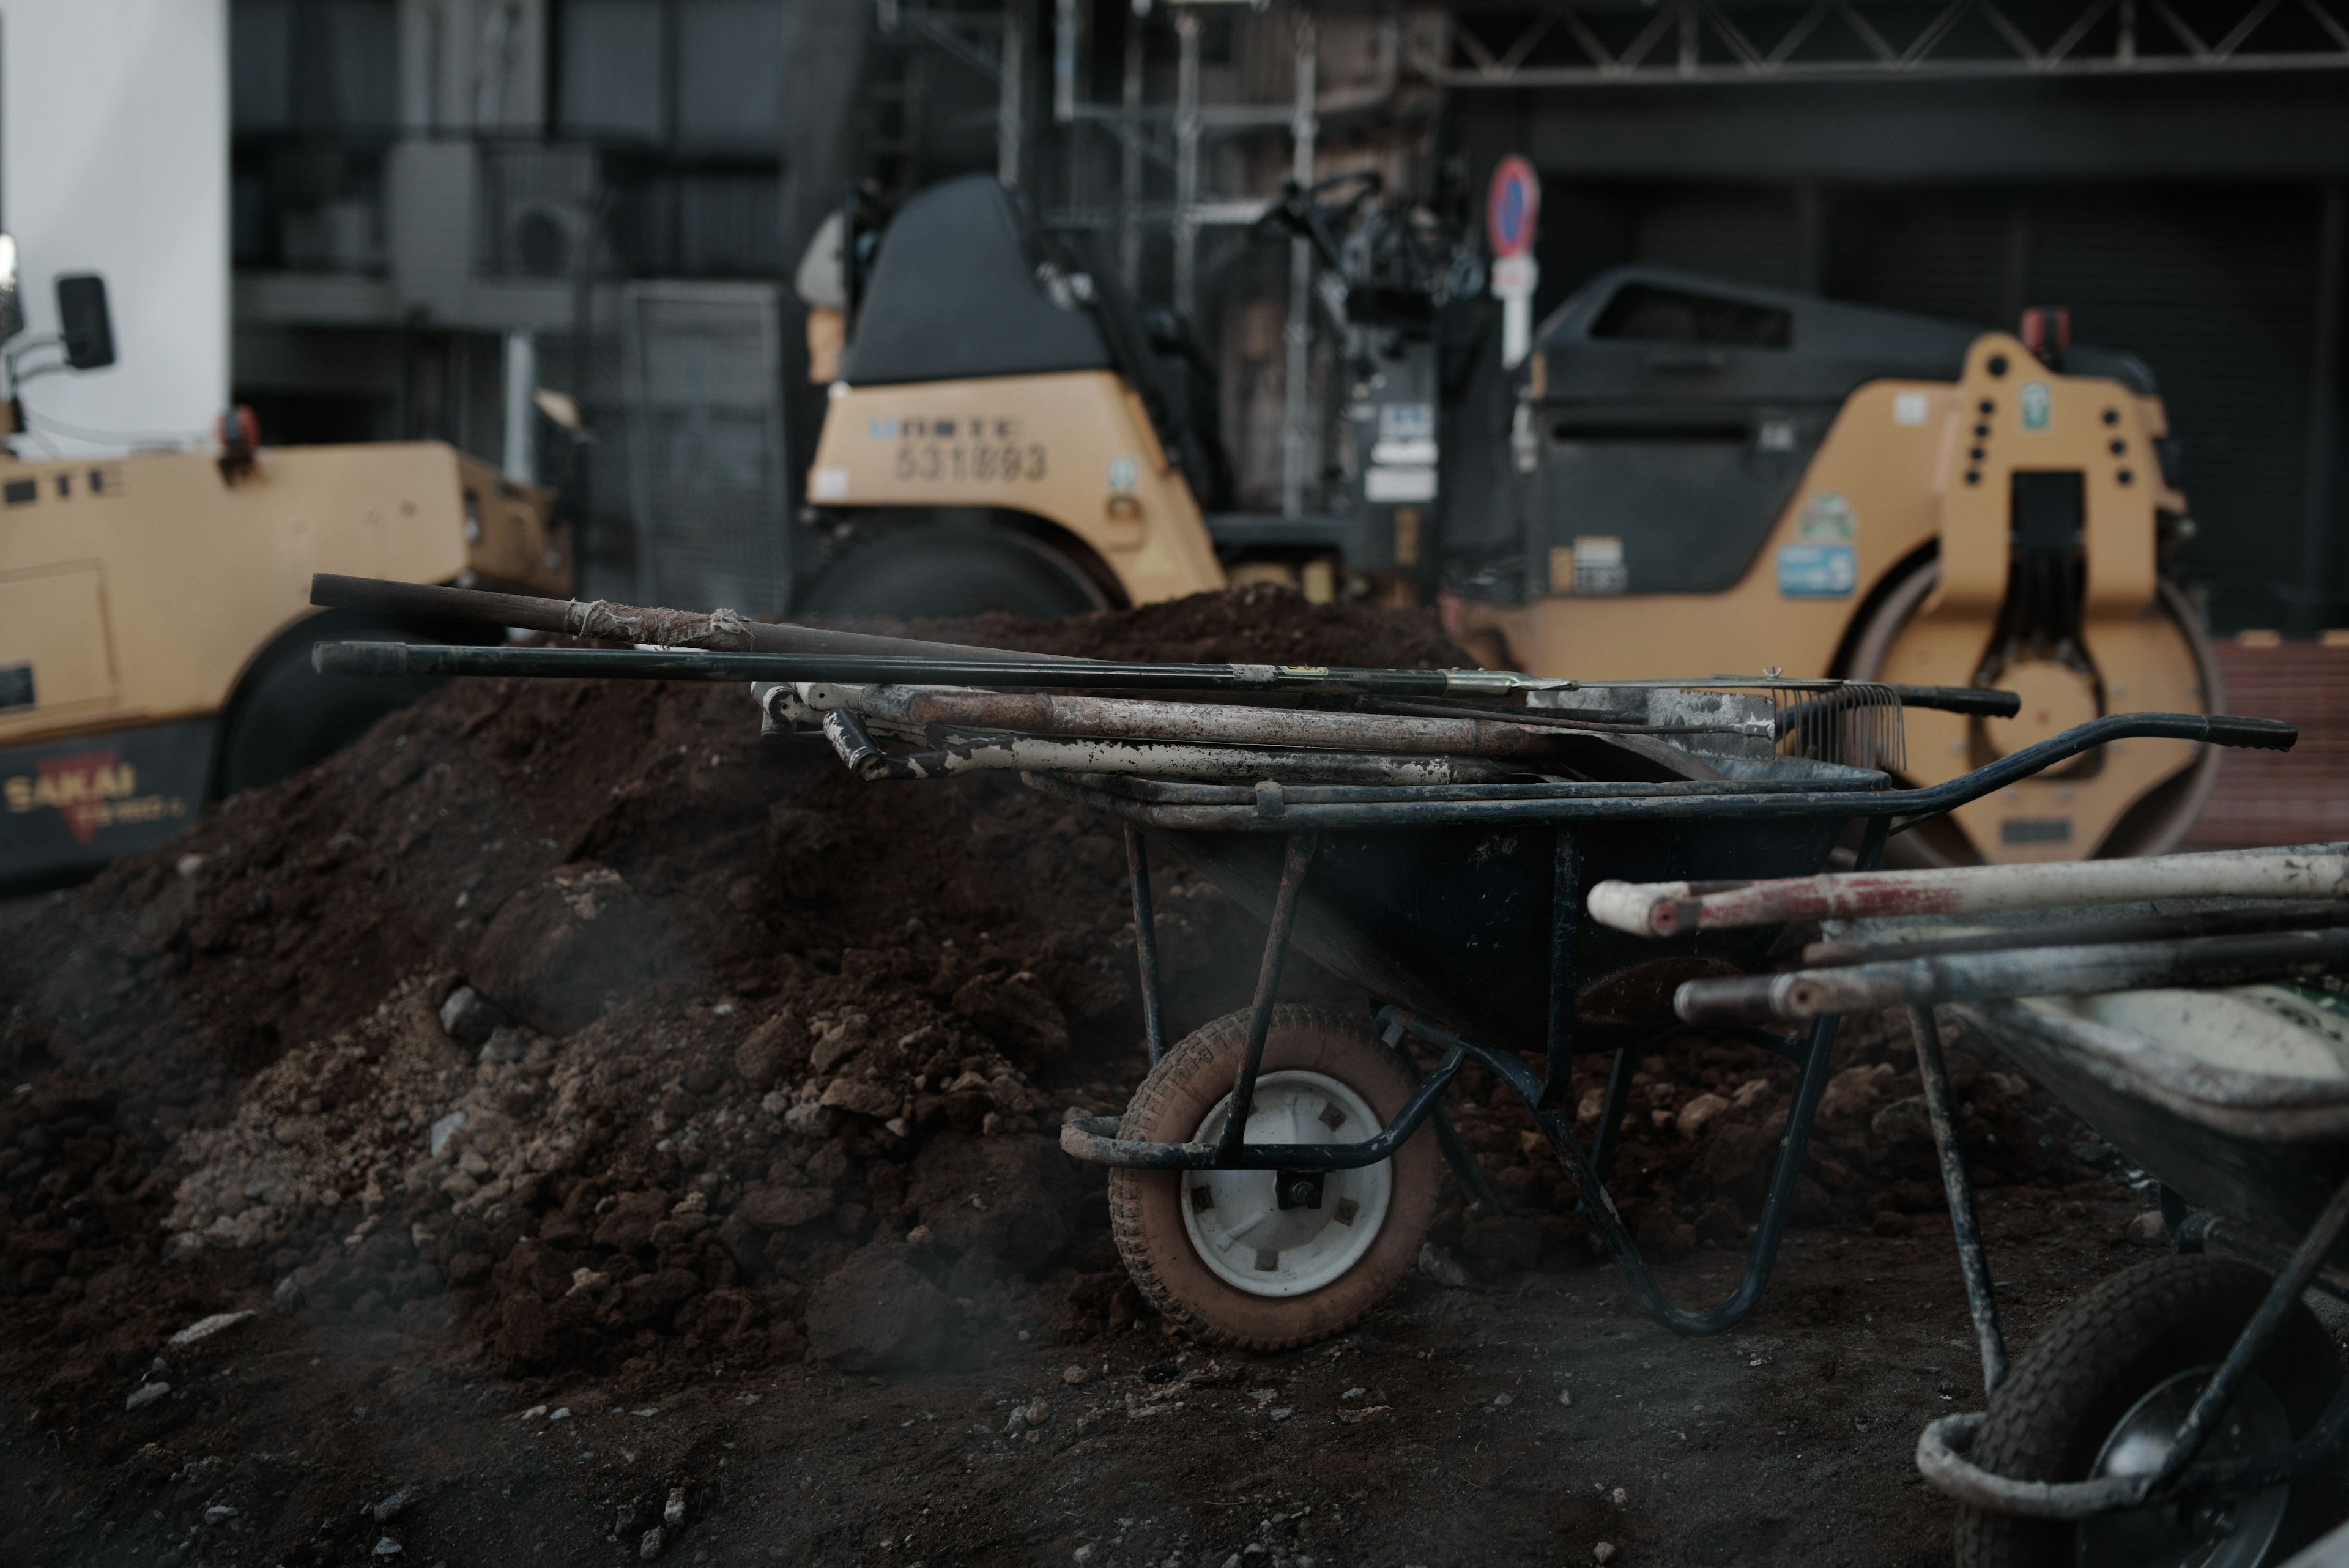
x,y
1297,812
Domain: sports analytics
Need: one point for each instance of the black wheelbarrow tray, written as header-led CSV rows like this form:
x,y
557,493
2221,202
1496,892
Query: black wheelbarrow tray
x,y
1458,909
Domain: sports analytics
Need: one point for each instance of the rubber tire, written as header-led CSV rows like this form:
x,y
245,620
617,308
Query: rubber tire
x,y
2154,823
950,572
2106,1352
1145,1206
287,717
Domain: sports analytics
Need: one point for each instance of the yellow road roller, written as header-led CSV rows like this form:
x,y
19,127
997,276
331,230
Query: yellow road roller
x,y
1683,477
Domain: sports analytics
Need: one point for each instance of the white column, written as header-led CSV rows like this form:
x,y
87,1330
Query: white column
x,y
1186,162
521,380
1296,453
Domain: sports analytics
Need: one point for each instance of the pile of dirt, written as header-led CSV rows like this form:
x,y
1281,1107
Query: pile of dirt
x,y
571,1014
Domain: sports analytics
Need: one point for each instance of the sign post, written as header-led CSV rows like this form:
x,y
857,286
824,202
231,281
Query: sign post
x,y
1511,208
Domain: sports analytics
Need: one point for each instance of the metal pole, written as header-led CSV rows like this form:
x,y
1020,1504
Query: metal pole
x,y
1070,83
2313,610
1008,105
1129,172
1296,860
1064,61
1934,1079
1296,432
1145,942
1186,162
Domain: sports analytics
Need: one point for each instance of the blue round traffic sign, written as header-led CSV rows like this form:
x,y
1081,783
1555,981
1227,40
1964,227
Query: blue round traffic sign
x,y
1512,205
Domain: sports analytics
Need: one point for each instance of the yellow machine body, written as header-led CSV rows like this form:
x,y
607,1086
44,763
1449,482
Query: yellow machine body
x,y
1892,485
1074,451
137,593
1890,482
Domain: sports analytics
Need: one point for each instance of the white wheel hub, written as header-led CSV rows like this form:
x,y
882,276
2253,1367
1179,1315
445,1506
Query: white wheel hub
x,y
1235,1218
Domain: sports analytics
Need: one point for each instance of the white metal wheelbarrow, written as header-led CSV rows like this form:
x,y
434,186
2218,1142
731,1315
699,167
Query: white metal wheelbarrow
x,y
2191,1410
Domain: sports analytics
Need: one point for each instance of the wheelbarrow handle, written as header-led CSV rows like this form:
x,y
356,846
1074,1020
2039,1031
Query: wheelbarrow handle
x,y
1981,701
2259,734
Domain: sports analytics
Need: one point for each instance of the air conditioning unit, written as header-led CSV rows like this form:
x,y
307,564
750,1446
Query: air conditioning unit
x,y
540,202
543,238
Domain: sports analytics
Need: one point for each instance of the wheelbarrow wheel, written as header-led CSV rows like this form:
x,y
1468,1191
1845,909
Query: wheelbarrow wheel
x,y
2103,1390
1219,1253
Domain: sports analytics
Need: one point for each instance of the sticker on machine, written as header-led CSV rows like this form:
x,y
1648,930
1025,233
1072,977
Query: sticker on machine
x,y
1827,519
1391,485
2034,405
1817,571
1598,565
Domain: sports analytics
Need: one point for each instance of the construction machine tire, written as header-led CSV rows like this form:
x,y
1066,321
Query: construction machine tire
x,y
286,716
2153,824
948,571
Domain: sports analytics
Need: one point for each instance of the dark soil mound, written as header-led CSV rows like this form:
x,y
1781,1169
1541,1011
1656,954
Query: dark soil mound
x,y
573,1017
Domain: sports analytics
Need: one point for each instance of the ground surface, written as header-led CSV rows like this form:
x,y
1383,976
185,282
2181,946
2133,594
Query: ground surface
x,y
1788,1440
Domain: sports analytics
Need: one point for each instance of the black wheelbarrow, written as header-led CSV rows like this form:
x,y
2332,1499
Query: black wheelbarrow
x,y
1459,911
2191,1409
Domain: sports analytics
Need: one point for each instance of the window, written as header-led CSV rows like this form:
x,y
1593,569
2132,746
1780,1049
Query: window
x,y
699,76
1646,313
314,64
610,82
683,100
729,76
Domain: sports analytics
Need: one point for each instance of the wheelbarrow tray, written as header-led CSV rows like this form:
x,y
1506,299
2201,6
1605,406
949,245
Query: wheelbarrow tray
x,y
1455,922
2265,1149
1452,920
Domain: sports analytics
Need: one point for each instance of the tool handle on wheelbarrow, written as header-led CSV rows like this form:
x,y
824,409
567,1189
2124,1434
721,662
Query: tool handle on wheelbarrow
x,y
2262,734
1982,701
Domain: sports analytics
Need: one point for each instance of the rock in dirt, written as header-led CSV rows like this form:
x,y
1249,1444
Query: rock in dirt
x,y
773,1046
565,948
1440,1266
470,1018
628,1227
2146,1230
1017,1014
203,1328
673,1514
145,1394
650,1546
876,1311
783,1208
1012,1198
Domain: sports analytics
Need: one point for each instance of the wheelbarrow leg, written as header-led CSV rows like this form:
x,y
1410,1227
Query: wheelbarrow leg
x,y
1447,1139
1565,923
1145,942
1297,858
1610,1114
1775,1207
1971,1263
